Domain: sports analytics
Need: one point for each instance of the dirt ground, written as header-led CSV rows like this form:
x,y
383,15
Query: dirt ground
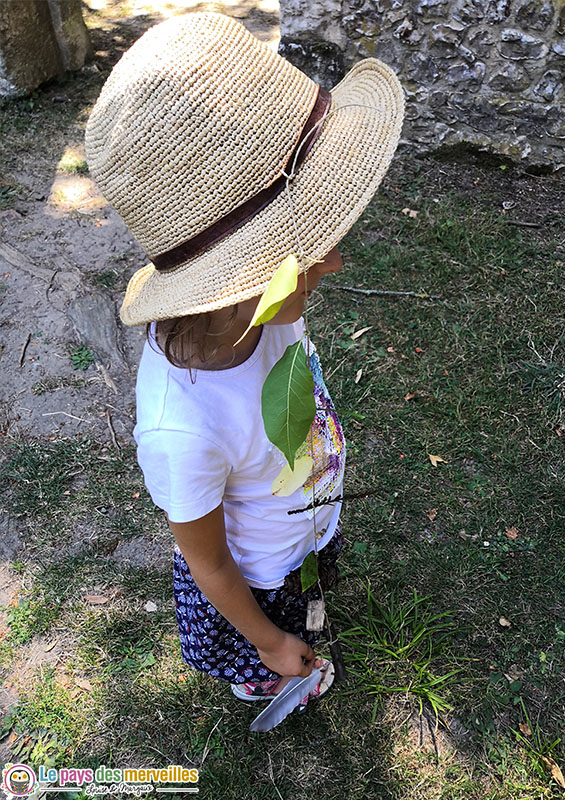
x,y
66,256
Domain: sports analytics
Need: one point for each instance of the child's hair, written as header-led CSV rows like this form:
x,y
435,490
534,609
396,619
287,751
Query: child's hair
x,y
178,337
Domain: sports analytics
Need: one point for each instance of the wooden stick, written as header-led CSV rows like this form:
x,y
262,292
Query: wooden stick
x,y
359,496
335,650
112,431
384,292
524,224
24,348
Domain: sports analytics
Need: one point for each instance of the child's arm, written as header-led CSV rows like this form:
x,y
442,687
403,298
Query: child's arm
x,y
203,545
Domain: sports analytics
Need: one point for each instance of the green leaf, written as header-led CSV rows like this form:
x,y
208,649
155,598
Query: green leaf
x,y
288,406
309,571
283,283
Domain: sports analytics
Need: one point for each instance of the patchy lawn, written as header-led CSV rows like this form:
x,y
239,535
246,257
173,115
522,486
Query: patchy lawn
x,y
452,593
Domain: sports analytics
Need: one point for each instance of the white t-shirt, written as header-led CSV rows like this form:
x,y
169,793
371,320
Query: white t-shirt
x,y
201,443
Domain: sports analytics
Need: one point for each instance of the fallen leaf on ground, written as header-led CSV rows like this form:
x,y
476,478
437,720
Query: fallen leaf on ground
x,y
358,375
436,459
432,514
390,350
84,683
418,350
357,334
504,622
409,396
556,773
511,533
95,599
135,495
410,212
525,728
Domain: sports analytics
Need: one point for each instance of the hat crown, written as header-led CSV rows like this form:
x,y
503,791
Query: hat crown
x,y
196,117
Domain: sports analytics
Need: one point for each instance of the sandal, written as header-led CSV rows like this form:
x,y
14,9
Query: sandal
x,y
256,691
266,689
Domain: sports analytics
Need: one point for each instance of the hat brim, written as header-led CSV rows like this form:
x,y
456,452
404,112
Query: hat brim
x,y
329,192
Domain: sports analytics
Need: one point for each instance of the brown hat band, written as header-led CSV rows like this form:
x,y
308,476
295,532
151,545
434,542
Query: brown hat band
x,y
236,218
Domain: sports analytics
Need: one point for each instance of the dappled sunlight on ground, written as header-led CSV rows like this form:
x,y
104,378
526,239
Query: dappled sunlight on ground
x,y
159,10
70,192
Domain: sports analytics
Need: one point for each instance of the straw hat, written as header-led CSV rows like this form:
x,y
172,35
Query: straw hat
x,y
189,140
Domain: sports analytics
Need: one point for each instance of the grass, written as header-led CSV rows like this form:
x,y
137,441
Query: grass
x,y
393,651
446,551
81,357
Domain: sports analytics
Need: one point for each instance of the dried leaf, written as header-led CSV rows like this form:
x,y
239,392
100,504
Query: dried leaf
x,y
95,599
390,350
84,683
358,375
283,283
409,396
432,514
525,728
436,459
418,350
135,495
359,333
504,622
511,533
556,773
289,480
410,212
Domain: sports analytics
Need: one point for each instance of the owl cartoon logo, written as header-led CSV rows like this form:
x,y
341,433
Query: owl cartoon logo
x,y
18,780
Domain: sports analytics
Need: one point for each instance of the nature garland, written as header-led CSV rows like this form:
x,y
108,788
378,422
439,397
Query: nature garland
x,y
288,405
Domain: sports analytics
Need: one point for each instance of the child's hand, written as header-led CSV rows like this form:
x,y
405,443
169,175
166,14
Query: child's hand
x,y
291,656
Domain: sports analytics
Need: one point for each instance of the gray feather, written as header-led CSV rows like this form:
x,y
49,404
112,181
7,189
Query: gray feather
x,y
286,701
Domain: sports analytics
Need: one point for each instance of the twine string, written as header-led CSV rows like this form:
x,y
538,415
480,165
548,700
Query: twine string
x,y
304,257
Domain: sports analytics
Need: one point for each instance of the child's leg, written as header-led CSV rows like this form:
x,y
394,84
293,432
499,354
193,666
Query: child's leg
x,y
211,644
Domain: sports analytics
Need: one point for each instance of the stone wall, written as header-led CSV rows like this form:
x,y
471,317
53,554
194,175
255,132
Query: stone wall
x,y
40,39
485,73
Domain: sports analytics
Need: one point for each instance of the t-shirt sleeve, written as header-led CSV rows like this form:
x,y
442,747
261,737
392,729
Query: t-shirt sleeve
x,y
184,473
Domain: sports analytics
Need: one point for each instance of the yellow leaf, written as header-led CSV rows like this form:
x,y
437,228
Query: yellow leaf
x,y
556,773
436,459
283,283
289,480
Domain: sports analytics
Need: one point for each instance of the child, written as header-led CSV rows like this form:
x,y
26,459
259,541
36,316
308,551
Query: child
x,y
223,158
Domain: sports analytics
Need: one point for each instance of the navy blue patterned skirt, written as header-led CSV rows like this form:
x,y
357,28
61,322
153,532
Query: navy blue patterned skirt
x,y
211,644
